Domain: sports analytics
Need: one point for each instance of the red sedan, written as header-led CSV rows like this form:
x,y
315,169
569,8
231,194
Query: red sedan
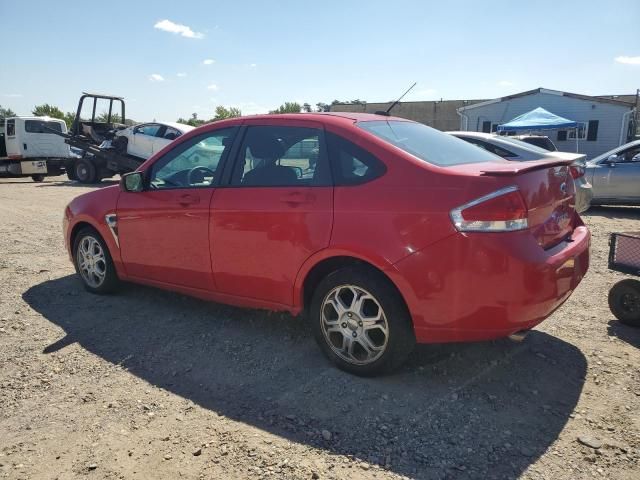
x,y
381,231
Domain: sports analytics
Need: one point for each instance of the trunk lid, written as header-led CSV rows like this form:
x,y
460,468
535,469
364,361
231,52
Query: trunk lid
x,y
548,191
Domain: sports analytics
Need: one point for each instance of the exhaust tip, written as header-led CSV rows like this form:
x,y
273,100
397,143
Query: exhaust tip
x,y
519,336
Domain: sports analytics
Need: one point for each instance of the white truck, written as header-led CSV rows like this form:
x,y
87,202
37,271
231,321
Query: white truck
x,y
29,147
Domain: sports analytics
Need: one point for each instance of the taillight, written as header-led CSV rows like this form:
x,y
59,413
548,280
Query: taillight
x,y
501,211
576,171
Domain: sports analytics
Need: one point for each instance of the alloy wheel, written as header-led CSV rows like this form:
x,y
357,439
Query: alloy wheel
x,y
354,324
92,263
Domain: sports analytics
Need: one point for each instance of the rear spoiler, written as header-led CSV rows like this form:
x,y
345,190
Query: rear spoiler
x,y
516,168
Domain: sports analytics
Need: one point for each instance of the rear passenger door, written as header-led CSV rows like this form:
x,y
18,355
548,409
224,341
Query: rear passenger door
x,y
274,212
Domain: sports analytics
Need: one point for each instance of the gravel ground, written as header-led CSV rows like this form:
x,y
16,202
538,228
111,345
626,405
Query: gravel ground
x,y
149,384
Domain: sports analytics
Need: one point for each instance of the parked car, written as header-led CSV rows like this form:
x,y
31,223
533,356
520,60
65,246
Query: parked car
x,y
145,139
615,175
381,231
516,150
541,141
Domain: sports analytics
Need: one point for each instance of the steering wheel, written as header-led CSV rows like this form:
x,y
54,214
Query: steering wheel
x,y
203,170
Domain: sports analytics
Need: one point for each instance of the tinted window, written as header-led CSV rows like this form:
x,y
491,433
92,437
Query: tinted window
x,y
194,163
427,143
11,128
351,164
281,156
38,126
150,130
171,134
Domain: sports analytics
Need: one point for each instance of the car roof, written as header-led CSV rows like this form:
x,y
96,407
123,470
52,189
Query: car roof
x,y
326,117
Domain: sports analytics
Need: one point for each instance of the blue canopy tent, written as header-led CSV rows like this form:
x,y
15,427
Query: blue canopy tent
x,y
539,119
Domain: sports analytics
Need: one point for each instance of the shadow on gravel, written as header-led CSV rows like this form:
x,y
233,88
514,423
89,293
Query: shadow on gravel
x,y
628,334
613,212
466,411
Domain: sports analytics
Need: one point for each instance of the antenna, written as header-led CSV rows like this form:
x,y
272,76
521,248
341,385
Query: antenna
x,y
386,113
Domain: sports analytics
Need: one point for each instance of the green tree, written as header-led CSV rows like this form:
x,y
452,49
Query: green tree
x,y
6,112
47,110
306,107
194,121
69,117
104,117
323,107
288,107
223,112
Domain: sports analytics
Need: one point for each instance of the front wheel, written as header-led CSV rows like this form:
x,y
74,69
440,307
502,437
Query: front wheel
x,y
93,262
37,178
360,322
624,301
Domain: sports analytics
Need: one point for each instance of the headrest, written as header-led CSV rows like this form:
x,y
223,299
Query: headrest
x,y
264,146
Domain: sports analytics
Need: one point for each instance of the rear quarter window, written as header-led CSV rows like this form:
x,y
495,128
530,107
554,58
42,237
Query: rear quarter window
x,y
426,143
351,164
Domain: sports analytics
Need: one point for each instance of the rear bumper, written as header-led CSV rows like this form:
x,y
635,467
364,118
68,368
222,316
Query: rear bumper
x,y
483,286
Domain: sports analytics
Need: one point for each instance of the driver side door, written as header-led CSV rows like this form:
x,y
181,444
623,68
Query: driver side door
x,y
164,230
619,180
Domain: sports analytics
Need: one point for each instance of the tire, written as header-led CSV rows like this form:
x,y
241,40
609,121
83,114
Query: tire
x,y
38,178
366,291
624,302
85,171
99,260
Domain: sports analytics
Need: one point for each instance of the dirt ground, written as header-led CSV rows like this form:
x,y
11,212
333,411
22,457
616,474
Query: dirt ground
x,y
150,384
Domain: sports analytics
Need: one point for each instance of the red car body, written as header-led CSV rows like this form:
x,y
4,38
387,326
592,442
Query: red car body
x,y
259,247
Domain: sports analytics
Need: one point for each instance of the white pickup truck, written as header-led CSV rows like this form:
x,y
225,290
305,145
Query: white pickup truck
x,y
29,148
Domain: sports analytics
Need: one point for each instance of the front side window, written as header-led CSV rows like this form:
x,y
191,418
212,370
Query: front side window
x,y
11,128
427,143
281,156
39,126
150,130
194,163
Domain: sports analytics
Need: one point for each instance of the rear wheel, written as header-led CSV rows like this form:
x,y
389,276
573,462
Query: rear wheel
x,y
85,171
93,262
360,321
37,178
624,301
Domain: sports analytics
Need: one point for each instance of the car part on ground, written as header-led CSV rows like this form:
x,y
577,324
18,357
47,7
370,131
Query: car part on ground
x,y
624,296
385,232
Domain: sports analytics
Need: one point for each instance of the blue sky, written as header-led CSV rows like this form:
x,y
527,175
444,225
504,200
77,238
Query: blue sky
x,y
264,53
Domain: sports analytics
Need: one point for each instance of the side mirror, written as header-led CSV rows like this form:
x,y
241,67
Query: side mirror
x,y
612,160
132,182
636,158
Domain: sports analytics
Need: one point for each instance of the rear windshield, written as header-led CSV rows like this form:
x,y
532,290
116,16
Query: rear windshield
x,y
428,144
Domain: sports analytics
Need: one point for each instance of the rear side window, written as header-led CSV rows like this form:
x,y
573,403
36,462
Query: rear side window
x,y
38,126
352,165
11,128
426,143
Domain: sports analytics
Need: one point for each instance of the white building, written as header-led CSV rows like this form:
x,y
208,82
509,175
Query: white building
x,y
604,123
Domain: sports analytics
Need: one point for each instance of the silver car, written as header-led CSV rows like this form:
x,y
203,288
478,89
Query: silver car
x,y
519,151
615,175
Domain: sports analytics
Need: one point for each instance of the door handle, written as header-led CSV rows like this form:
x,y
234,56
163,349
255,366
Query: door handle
x,y
188,199
297,198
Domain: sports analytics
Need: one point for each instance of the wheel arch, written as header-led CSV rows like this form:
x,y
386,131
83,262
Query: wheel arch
x,y
319,266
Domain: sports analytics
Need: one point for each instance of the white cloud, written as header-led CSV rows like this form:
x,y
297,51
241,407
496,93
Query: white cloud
x,y
628,60
505,83
178,29
155,77
208,61
213,87
181,74
253,65
12,95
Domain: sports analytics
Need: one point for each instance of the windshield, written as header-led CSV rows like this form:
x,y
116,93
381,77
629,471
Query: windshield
x,y
427,143
528,146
